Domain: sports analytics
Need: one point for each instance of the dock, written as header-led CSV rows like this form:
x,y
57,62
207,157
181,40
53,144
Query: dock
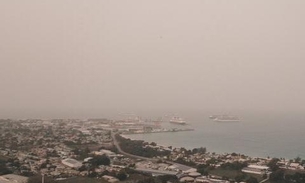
x,y
158,131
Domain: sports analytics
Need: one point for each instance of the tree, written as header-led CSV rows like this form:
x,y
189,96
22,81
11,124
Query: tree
x,y
38,178
234,166
153,144
273,164
277,176
202,168
252,180
137,147
296,178
121,176
211,161
92,174
201,150
234,154
147,180
184,162
240,178
166,178
4,170
297,159
225,178
100,160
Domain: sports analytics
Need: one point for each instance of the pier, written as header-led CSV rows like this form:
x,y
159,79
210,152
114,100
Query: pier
x,y
157,131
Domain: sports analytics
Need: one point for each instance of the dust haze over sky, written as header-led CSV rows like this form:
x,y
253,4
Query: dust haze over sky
x,y
84,57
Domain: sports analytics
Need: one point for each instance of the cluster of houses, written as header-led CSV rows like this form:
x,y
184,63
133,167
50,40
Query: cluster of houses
x,y
183,173
48,147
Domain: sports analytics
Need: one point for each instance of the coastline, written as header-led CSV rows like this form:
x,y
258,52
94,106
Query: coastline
x,y
167,140
208,152
127,136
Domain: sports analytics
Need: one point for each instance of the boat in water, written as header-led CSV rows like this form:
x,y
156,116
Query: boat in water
x,y
225,118
177,120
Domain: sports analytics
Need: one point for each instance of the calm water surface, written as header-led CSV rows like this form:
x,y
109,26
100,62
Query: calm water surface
x,y
256,135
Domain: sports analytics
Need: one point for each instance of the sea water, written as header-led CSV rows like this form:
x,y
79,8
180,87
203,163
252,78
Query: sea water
x,y
256,135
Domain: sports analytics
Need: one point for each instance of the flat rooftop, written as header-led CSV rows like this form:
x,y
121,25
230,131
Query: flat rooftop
x,y
11,178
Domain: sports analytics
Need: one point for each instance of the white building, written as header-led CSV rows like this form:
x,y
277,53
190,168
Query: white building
x,y
295,166
256,169
72,163
11,178
88,159
110,178
108,153
187,179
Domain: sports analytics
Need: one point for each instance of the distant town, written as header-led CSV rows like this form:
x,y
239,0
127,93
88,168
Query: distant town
x,y
97,150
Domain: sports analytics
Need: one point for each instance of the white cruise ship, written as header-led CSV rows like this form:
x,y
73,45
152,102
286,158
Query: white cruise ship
x,y
224,118
177,120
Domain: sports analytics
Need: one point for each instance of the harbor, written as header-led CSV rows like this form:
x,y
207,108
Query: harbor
x,y
157,131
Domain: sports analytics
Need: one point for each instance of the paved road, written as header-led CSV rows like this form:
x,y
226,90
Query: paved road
x,y
268,175
116,143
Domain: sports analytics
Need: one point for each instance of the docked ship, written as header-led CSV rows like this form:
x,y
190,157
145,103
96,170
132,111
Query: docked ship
x,y
177,120
224,118
214,116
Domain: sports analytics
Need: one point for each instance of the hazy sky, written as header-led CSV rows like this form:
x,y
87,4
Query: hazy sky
x,y
85,57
